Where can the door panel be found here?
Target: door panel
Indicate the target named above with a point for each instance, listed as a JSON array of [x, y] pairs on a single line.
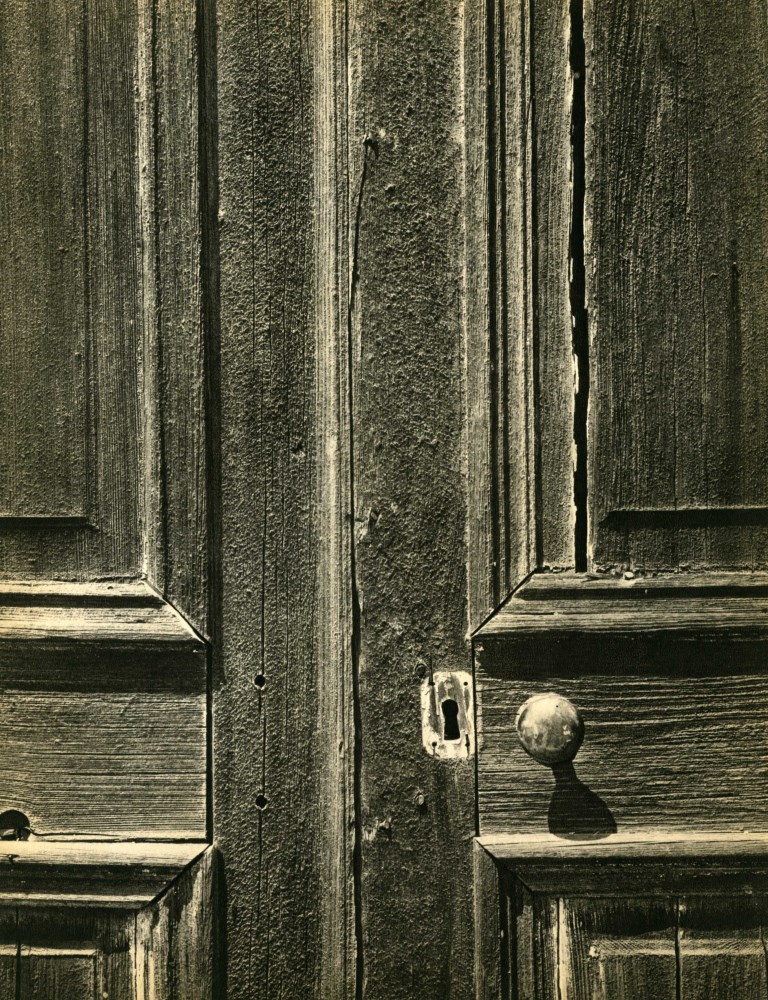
[[46, 974], [694, 948], [70, 293], [677, 281]]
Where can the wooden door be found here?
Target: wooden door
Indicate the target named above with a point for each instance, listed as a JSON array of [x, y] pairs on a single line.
[[634, 864], [104, 810], [329, 325]]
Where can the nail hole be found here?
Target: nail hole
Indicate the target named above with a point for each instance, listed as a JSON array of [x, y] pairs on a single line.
[[261, 801], [259, 680], [451, 729]]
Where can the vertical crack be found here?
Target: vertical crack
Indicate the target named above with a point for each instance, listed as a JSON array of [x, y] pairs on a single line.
[[577, 284], [370, 151]]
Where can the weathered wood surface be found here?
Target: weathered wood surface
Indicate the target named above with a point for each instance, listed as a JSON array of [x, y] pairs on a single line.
[[175, 197], [176, 954], [551, 207], [677, 282], [282, 702], [721, 947], [534, 945], [119, 874], [491, 930], [406, 343], [617, 948], [69, 298], [662, 749], [43, 304], [76, 618], [498, 311], [519, 367], [126, 762]]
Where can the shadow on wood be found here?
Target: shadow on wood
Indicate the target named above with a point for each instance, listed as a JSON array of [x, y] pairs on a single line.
[[575, 811]]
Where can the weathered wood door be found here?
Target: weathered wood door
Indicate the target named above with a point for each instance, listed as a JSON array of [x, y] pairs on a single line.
[[369, 369]]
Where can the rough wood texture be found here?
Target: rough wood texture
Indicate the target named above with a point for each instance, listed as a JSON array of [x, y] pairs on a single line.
[[617, 948], [175, 951], [173, 203], [721, 947], [282, 702], [43, 405], [535, 928], [662, 749], [128, 763], [76, 618], [490, 928], [550, 205], [406, 335], [693, 607], [95, 873], [80, 954], [68, 304], [498, 311], [677, 282]]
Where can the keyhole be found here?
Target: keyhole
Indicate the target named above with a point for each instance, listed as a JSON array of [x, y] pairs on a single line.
[[451, 729]]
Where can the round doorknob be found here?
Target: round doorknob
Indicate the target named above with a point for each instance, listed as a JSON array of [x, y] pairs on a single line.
[[550, 728]]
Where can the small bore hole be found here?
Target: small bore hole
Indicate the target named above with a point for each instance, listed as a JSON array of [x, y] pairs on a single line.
[[261, 801], [14, 825], [259, 680], [451, 729]]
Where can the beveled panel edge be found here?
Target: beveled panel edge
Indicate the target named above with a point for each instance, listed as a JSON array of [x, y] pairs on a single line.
[[114, 874], [104, 614]]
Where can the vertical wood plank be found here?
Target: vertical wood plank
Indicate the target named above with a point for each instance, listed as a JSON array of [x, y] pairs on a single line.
[[721, 948], [417, 812], [611, 948], [174, 948], [551, 196], [74, 194], [176, 449], [283, 745], [43, 406], [341, 961], [677, 282], [535, 946], [489, 926], [498, 310]]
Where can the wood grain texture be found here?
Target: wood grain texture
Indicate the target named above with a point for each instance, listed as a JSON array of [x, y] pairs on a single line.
[[76, 618], [73, 340], [173, 204], [64, 951], [121, 763], [406, 165], [490, 925], [174, 947], [551, 206], [100, 873], [675, 751], [498, 308], [56, 972], [676, 278], [535, 945], [698, 608], [617, 948], [721, 947], [282, 700], [341, 967], [43, 403]]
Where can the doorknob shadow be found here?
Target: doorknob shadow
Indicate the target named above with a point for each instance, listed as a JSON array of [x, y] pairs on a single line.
[[575, 811]]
